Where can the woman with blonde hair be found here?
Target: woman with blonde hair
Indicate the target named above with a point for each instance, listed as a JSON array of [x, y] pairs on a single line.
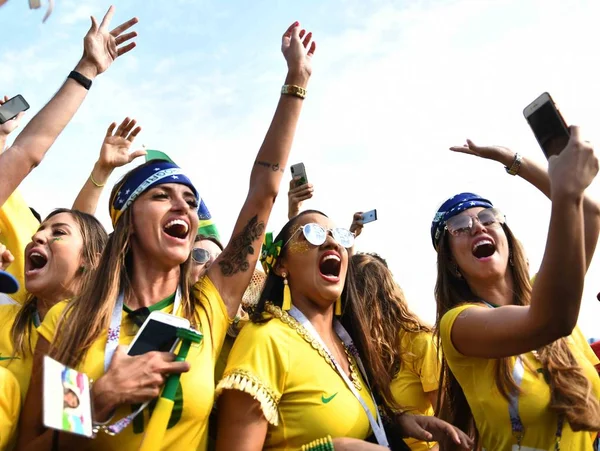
[[146, 267], [517, 372], [402, 358]]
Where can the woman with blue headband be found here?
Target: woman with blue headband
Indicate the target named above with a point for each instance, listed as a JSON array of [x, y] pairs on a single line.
[[145, 267], [517, 372]]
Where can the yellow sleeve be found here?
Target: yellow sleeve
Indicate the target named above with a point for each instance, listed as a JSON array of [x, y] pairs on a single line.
[[257, 365], [424, 359], [209, 296], [10, 405], [48, 327], [17, 226], [580, 341], [446, 324]]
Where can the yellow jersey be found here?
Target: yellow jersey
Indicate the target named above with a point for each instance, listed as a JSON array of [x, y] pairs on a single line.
[[418, 375], [302, 396], [188, 426], [17, 226], [10, 407], [20, 366], [490, 409]]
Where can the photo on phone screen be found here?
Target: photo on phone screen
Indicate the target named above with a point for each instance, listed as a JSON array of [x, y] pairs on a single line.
[[298, 170], [12, 107], [158, 333], [369, 216], [548, 126]]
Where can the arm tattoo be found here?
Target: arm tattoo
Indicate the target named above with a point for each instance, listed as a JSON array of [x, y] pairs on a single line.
[[235, 257], [274, 167]]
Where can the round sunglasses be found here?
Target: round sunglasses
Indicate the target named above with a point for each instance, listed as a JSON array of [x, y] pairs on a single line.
[[316, 235], [465, 224], [200, 255]]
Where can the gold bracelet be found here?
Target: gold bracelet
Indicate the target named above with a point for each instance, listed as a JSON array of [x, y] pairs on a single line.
[[515, 166], [293, 90], [99, 185]]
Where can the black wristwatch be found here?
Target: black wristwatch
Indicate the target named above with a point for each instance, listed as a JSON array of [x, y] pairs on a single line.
[[83, 81]]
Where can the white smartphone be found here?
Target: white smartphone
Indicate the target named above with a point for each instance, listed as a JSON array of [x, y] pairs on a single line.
[[369, 216], [547, 124], [298, 170], [158, 333]]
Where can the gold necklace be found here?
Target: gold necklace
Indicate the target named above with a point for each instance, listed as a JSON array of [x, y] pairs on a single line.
[[286, 318]]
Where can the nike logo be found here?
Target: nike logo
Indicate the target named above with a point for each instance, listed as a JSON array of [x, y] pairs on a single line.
[[326, 400]]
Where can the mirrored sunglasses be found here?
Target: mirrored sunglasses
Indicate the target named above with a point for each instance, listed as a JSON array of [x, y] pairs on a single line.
[[317, 235], [464, 224], [200, 255]]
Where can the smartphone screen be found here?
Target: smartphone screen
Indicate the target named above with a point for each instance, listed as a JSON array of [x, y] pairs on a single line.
[[369, 216], [12, 107], [549, 129], [156, 336]]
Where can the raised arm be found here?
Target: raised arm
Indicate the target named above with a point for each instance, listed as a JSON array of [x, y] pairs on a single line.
[[557, 292], [114, 153], [537, 175], [9, 126], [100, 48], [234, 267]]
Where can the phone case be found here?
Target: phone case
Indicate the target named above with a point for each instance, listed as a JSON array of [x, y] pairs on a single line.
[[369, 216], [298, 170]]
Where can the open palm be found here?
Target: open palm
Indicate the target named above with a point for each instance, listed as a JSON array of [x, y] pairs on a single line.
[[298, 49], [487, 152], [115, 148]]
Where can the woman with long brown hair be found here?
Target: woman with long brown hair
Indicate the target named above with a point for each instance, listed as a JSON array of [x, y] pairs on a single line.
[[517, 372], [294, 379], [402, 358], [146, 267]]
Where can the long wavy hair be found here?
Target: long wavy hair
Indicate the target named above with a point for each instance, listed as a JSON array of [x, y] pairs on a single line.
[[94, 239], [571, 391], [376, 313], [88, 316], [273, 288]]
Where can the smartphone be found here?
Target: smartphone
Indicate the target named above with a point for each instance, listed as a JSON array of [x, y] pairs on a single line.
[[12, 107], [298, 170], [158, 333], [369, 216], [547, 124]]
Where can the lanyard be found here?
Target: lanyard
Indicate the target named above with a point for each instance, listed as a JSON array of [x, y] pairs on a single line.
[[112, 341], [513, 404], [376, 425]]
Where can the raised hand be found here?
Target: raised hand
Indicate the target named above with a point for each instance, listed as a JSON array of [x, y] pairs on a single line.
[[496, 153], [6, 257], [574, 169], [357, 223], [297, 195], [428, 429], [298, 51], [115, 147], [101, 47], [10, 126]]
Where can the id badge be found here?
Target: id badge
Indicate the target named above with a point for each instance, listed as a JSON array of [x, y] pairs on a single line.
[[67, 405]]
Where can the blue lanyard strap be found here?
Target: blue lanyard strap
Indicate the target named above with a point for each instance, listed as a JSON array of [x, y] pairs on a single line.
[[376, 425]]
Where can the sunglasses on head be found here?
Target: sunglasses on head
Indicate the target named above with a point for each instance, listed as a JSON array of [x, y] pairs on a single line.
[[464, 224], [317, 235], [200, 255]]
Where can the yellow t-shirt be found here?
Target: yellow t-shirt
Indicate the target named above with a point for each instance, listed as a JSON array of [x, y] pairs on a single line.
[[10, 407], [418, 375], [20, 366], [490, 408], [17, 226], [302, 397], [189, 420]]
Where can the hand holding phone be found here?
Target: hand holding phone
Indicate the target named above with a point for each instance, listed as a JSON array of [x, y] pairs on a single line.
[[10, 108], [548, 126], [158, 333]]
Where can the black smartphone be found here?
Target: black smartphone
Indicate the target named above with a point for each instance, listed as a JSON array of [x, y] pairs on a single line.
[[547, 124], [158, 333], [12, 107]]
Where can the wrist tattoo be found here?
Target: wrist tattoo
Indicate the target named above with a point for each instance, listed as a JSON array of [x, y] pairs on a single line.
[[274, 167], [235, 257]]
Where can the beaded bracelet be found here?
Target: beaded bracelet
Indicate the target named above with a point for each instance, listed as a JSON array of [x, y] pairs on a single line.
[[321, 444]]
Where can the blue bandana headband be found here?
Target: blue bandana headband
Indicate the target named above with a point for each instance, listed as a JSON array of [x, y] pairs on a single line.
[[451, 208], [142, 179]]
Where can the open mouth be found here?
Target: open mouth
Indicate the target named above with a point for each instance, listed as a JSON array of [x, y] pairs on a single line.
[[483, 249], [37, 261], [330, 266], [177, 228]]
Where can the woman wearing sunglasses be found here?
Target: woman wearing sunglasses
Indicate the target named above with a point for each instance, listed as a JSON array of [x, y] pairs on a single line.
[[517, 372], [294, 379], [205, 252]]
